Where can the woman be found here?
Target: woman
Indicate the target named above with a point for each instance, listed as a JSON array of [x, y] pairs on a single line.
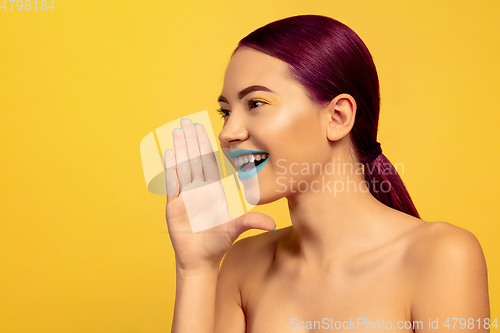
[[304, 93]]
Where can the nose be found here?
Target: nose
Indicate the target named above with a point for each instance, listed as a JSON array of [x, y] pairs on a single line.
[[233, 132]]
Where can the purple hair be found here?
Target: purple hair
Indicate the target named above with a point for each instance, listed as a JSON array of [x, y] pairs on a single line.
[[328, 58]]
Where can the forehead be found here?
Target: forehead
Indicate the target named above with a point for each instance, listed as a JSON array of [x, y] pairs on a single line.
[[250, 67]]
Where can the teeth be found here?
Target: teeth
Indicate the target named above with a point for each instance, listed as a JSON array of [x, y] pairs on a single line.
[[239, 161]]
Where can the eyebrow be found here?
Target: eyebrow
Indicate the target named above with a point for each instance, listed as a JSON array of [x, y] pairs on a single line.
[[245, 91]]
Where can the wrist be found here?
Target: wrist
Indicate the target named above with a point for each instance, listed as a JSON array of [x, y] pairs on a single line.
[[198, 271]]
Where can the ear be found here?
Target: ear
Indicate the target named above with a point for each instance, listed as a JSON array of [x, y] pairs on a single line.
[[339, 116]]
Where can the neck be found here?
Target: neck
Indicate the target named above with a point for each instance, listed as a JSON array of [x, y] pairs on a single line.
[[330, 225]]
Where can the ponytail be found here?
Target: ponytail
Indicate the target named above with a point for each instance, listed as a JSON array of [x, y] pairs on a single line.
[[386, 185]]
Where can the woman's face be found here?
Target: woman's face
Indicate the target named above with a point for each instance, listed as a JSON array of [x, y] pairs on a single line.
[[268, 111]]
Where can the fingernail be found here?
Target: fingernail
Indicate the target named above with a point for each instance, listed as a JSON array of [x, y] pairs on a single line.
[[195, 123], [177, 128], [275, 227], [183, 118]]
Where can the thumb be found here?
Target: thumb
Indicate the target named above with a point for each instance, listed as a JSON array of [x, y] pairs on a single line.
[[251, 220]]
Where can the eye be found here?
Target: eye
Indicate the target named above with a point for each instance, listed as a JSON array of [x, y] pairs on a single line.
[[223, 112], [254, 102]]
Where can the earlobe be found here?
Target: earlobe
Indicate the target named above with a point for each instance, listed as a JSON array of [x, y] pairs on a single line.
[[331, 132]]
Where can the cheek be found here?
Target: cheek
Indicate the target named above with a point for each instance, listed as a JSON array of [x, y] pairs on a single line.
[[296, 145], [298, 133]]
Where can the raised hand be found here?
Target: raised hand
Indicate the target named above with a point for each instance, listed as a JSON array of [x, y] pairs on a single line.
[[199, 225]]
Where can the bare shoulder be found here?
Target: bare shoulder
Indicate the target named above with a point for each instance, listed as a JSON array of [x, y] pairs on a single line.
[[245, 259], [254, 253], [448, 271], [436, 244], [243, 262]]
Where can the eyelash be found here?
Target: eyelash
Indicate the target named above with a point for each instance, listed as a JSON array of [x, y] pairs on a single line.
[[225, 112]]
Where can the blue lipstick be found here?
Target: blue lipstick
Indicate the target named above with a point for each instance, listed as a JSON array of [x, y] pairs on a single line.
[[247, 174]]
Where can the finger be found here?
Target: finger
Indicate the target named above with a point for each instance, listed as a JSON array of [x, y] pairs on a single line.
[[250, 220], [182, 163], [193, 149], [170, 175], [210, 168]]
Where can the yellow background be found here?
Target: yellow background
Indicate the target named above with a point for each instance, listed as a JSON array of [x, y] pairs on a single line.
[[83, 244]]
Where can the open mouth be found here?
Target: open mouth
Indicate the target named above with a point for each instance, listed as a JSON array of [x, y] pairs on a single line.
[[249, 161]]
